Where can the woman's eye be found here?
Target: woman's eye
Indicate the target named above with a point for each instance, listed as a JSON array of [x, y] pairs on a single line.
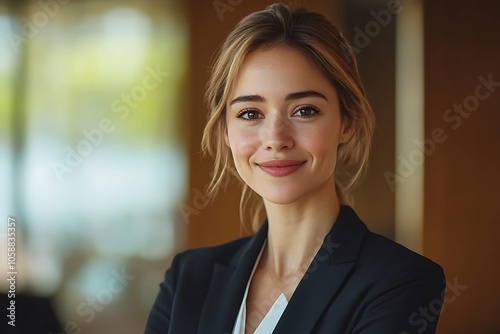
[[306, 112], [249, 115]]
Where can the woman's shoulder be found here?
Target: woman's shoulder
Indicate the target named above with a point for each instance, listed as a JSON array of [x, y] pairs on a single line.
[[208, 255], [379, 255], [385, 257]]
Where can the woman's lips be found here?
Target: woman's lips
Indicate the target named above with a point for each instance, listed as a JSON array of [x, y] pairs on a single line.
[[280, 167]]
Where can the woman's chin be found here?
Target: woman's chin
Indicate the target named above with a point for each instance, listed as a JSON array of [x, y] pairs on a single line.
[[281, 199]]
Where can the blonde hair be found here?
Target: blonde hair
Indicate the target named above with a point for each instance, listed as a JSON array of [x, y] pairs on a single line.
[[320, 41]]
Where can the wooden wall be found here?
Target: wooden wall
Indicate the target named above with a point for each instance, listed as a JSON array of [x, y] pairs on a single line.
[[374, 200], [462, 182]]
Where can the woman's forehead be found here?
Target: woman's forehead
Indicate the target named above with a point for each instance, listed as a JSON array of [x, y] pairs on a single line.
[[278, 70]]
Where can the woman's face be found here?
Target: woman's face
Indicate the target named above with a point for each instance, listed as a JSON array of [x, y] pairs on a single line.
[[284, 126]]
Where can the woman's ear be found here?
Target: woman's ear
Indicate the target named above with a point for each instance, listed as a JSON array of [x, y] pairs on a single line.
[[346, 131]]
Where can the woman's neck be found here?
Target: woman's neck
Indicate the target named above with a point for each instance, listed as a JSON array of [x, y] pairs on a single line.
[[296, 231]]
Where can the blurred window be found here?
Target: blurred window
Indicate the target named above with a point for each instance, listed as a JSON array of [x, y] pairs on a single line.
[[92, 152]]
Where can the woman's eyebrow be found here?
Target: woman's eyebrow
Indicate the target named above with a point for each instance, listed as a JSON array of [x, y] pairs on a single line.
[[301, 95], [289, 97], [248, 98]]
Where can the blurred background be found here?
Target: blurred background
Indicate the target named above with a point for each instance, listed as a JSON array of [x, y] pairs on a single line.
[[101, 117]]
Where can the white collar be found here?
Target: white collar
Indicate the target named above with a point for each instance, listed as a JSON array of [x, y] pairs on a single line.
[[272, 317]]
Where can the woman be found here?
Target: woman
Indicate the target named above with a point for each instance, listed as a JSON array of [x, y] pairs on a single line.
[[290, 119]]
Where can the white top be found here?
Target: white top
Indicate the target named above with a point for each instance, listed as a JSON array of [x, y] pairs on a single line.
[[273, 315]]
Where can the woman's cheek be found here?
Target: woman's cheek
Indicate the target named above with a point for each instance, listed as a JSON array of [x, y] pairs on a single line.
[[319, 139], [243, 145]]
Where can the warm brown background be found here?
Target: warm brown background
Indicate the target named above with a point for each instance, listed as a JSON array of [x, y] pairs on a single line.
[[461, 208], [462, 211]]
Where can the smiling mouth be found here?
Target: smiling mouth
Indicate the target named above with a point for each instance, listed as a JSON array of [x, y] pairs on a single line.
[[280, 167]]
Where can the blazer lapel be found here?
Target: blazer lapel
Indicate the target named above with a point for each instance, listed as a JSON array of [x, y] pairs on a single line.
[[227, 287], [325, 276]]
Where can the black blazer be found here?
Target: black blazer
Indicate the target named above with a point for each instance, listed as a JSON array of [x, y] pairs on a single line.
[[359, 282]]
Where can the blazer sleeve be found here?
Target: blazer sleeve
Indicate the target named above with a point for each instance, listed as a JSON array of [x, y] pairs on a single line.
[[159, 317], [403, 308]]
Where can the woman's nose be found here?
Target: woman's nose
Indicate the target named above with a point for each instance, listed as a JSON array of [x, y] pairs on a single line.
[[276, 134]]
